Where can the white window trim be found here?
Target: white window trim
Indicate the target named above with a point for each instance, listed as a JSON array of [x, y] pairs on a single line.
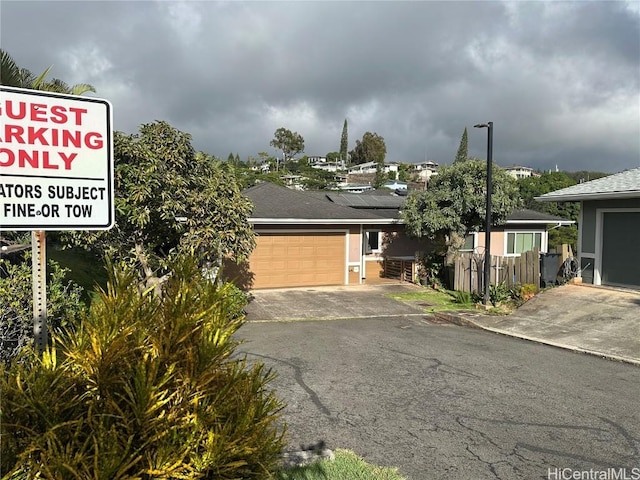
[[475, 243], [544, 241], [374, 251]]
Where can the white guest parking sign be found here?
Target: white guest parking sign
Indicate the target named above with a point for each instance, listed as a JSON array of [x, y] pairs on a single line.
[[56, 161]]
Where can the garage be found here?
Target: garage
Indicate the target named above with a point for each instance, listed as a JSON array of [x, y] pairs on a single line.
[[620, 252], [609, 227], [298, 259]]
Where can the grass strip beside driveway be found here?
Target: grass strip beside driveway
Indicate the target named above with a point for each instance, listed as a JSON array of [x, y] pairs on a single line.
[[347, 465]]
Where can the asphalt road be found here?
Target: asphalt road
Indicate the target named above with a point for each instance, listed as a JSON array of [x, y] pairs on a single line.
[[446, 402]]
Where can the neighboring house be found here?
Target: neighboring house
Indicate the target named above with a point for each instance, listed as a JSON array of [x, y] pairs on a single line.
[[316, 160], [354, 187], [371, 167], [340, 179], [609, 227], [321, 163], [395, 185], [293, 181], [423, 171], [428, 165], [523, 231], [518, 172], [264, 167], [321, 238]]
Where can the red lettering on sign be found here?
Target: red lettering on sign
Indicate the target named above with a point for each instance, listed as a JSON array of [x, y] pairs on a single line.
[[12, 114], [13, 132], [39, 112], [36, 159], [58, 114]]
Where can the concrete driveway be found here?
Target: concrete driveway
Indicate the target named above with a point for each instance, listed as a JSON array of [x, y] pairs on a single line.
[[317, 303], [595, 320]]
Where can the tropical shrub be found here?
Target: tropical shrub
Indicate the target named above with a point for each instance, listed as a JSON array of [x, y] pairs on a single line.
[[64, 304], [462, 297], [430, 269], [147, 386], [526, 291], [499, 293]]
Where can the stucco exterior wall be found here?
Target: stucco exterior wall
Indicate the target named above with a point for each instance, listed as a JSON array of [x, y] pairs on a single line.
[[355, 242]]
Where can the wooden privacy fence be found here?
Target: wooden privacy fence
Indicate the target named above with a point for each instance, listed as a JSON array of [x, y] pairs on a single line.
[[469, 271]]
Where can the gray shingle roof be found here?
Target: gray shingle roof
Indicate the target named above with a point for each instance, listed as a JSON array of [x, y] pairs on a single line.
[[356, 200], [279, 203], [526, 215], [275, 202], [620, 185]]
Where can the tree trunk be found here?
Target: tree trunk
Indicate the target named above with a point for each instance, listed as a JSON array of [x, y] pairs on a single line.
[[150, 279]]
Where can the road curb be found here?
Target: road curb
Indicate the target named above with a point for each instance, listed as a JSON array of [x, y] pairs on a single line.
[[465, 321], [321, 319]]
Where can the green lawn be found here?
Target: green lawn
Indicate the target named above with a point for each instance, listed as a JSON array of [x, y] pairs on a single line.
[[346, 466], [441, 300], [433, 300]]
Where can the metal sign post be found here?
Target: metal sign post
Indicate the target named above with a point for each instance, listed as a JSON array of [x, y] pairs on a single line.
[[39, 274]]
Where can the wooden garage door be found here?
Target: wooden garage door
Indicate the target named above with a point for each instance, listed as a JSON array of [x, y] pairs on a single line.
[[298, 259]]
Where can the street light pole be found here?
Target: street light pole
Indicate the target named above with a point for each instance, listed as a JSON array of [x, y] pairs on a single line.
[[487, 224]]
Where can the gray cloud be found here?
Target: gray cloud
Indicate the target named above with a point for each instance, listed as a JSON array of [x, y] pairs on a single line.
[[560, 80]]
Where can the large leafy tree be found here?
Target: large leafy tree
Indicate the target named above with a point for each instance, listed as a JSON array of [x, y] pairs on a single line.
[[291, 143], [170, 198], [455, 203], [12, 75], [344, 142], [463, 149], [370, 149]]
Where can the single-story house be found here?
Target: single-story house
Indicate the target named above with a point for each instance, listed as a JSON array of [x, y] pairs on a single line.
[[523, 231], [609, 227], [306, 238]]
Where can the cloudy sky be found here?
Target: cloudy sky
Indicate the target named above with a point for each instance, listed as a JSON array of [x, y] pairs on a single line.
[[560, 80]]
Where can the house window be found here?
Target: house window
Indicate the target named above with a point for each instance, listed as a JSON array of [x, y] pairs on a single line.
[[469, 243], [373, 242], [520, 242]]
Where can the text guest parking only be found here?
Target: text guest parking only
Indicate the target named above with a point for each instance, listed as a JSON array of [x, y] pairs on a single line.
[[56, 161]]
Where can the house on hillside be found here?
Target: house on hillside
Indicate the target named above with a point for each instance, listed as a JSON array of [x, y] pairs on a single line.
[[355, 187], [264, 167], [321, 163], [395, 185], [293, 181], [423, 171], [518, 172], [609, 227], [391, 168]]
